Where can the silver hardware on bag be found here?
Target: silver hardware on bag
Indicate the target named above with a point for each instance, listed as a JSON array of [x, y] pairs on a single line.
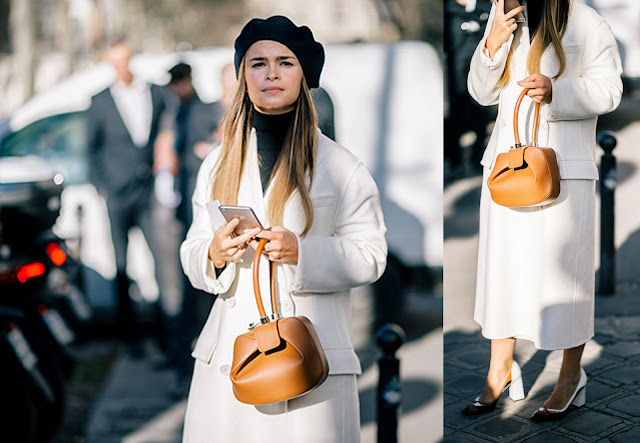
[[263, 320]]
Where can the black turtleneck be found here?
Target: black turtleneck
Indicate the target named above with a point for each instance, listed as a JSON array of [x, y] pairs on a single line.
[[271, 131], [534, 14]]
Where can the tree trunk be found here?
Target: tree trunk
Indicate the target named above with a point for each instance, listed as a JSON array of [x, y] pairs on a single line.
[[65, 35], [22, 31]]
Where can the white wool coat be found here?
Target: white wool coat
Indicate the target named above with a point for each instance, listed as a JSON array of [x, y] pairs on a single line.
[[345, 248], [536, 265]]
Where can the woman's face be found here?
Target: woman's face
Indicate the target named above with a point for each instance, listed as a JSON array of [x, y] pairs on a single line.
[[274, 77]]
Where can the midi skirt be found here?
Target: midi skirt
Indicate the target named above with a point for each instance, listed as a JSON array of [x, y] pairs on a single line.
[[328, 414], [536, 268]]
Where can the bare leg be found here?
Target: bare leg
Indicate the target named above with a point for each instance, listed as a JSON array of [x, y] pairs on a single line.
[[567, 380], [499, 368]]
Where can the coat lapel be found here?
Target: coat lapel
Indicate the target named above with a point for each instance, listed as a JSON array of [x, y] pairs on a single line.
[[250, 192]]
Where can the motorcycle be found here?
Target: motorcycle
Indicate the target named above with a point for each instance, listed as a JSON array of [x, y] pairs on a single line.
[[38, 302]]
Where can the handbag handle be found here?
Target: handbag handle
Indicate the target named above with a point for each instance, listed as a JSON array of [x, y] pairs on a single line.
[[256, 283], [535, 120]]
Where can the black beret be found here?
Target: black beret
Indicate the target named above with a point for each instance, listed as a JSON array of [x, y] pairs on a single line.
[[180, 72], [299, 39]]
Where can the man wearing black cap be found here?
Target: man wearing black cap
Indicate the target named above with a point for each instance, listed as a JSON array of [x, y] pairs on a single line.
[[192, 122], [195, 122]]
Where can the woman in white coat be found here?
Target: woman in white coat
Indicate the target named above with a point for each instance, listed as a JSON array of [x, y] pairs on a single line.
[[536, 265], [326, 236]]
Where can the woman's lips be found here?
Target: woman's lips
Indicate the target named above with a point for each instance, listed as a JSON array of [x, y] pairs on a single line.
[[272, 89]]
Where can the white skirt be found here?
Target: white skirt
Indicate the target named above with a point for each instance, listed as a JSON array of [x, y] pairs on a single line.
[[536, 268], [328, 414]]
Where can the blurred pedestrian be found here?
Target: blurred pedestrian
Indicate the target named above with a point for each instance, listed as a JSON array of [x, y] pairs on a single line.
[[463, 28], [536, 265], [189, 124], [229, 83], [324, 107], [195, 122], [326, 236], [122, 127]]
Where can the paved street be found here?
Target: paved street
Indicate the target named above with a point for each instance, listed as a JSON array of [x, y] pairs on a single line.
[[136, 406], [611, 359]]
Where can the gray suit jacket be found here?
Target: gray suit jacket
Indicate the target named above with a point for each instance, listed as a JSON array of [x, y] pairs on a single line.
[[120, 170]]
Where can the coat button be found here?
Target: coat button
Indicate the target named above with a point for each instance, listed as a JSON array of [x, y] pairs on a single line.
[[231, 302], [502, 123], [287, 306], [225, 369]]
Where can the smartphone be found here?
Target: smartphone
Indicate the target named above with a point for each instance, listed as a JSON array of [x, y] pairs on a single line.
[[512, 4], [248, 218]]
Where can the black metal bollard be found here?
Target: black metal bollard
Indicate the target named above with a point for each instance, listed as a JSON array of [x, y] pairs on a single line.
[[608, 182], [389, 338]]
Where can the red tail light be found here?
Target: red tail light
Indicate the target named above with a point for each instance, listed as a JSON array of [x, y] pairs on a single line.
[[31, 270], [56, 254]]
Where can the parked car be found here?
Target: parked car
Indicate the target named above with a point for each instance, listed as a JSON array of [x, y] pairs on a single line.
[[388, 111]]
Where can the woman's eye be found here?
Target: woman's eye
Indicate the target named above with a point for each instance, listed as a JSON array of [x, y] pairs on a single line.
[[257, 64], [286, 63]]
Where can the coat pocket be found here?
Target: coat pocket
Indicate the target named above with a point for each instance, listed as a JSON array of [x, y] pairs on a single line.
[[323, 215], [572, 49], [208, 339]]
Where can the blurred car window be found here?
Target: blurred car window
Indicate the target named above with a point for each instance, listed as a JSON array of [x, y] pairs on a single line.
[[60, 139]]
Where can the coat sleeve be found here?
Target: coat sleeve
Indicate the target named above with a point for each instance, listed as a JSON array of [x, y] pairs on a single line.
[[194, 251], [598, 90], [485, 72], [357, 252]]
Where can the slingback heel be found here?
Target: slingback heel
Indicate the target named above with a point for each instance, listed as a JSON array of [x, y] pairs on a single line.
[[516, 392], [516, 389], [578, 399], [581, 398]]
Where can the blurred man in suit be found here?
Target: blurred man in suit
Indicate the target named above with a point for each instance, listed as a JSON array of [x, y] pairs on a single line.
[[123, 123]]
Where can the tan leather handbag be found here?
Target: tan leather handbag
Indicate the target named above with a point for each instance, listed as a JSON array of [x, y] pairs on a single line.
[[525, 175], [280, 358]]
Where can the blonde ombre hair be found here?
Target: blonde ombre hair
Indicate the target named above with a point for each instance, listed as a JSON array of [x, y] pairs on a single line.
[[296, 160], [553, 23]]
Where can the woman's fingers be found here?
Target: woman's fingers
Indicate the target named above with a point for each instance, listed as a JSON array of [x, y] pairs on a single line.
[[282, 245], [503, 26], [244, 238], [515, 11], [539, 87], [226, 248]]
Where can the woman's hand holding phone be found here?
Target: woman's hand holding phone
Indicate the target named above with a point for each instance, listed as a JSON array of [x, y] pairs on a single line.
[[224, 248], [503, 25]]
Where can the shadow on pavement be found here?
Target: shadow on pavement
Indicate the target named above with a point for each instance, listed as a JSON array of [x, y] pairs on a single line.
[[468, 204], [415, 394]]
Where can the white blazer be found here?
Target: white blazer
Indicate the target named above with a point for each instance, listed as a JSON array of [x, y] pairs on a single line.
[[590, 86], [345, 248]]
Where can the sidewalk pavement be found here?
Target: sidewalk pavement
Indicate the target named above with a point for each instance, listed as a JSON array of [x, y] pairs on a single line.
[[136, 405], [611, 359]]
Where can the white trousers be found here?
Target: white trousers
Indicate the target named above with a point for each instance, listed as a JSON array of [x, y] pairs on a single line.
[[328, 414]]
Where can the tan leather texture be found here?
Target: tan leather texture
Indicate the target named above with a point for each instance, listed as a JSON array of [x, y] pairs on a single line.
[[277, 360], [525, 176]]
